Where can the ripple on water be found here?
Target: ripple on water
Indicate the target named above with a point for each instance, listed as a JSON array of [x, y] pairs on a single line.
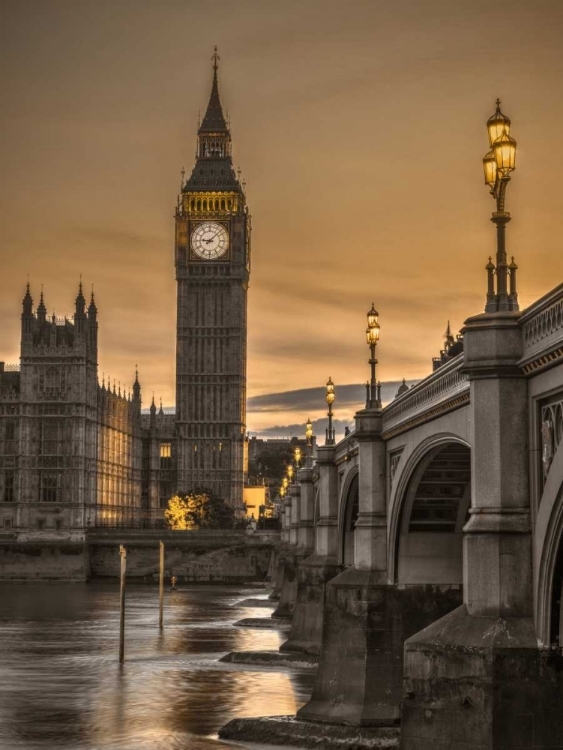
[[62, 687]]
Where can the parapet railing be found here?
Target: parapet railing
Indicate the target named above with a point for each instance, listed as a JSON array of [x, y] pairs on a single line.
[[195, 536], [542, 325], [443, 390]]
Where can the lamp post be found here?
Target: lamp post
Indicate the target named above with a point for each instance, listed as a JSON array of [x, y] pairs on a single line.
[[309, 439], [373, 389], [289, 472], [330, 396], [498, 163]]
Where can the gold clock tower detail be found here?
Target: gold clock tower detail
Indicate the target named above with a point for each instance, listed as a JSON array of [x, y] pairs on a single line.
[[212, 257]]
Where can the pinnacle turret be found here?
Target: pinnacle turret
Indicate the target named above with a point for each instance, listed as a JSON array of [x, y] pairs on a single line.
[[92, 309], [214, 119], [136, 386], [41, 309], [27, 301]]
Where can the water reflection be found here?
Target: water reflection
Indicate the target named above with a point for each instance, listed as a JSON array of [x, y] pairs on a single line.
[[62, 687]]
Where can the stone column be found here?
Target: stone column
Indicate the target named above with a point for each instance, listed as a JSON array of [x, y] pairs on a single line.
[[370, 537], [477, 675], [282, 549], [289, 556], [286, 521], [319, 567], [294, 493], [306, 530], [326, 530]]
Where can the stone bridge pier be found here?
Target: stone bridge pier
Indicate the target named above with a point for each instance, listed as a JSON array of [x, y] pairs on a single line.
[[292, 553], [366, 617], [283, 549], [319, 534]]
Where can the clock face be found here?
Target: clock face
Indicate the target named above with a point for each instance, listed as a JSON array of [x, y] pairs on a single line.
[[210, 240]]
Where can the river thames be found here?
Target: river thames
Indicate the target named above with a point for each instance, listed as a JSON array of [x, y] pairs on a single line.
[[62, 686]]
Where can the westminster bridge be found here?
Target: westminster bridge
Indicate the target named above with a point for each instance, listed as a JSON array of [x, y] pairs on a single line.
[[423, 553]]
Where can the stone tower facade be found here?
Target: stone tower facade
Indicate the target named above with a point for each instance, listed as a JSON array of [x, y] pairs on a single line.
[[56, 440], [70, 449], [212, 258]]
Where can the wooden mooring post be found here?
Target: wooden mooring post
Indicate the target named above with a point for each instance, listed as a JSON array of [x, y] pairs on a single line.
[[161, 587], [123, 554]]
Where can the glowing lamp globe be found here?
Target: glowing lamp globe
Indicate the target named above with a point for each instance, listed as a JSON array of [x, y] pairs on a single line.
[[490, 168], [309, 430], [497, 125], [373, 329], [505, 153], [330, 395]]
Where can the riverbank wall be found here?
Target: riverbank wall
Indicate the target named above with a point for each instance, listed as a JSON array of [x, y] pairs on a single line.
[[207, 556]]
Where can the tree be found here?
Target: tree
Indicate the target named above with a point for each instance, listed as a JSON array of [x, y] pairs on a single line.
[[199, 509], [176, 513], [271, 465]]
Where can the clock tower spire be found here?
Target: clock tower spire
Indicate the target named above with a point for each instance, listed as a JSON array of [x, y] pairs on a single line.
[[212, 259]]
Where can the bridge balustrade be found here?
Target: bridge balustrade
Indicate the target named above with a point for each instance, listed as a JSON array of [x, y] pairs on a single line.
[[542, 330], [445, 389]]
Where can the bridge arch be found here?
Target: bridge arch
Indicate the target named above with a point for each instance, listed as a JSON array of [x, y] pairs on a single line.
[[548, 550], [429, 508], [348, 515]]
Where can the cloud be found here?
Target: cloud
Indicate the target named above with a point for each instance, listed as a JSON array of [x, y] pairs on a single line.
[[297, 429], [314, 398]]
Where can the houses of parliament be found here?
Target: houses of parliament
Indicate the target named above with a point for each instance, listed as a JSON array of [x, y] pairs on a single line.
[[75, 452]]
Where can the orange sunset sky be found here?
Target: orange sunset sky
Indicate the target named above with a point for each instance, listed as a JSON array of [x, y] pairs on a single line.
[[359, 127]]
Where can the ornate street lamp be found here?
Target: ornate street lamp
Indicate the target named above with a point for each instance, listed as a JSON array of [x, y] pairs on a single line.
[[296, 460], [289, 472], [309, 439], [330, 396], [373, 389], [498, 163]]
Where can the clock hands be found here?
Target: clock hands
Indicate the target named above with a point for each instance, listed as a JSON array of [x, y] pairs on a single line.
[[212, 238]]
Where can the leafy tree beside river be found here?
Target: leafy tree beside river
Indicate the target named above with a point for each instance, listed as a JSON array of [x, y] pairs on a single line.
[[199, 509]]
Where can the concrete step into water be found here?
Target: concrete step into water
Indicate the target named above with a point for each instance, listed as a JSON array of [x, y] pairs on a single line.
[[264, 622], [255, 603], [286, 730], [272, 659]]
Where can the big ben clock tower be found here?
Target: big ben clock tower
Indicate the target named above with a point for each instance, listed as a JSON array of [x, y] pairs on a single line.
[[212, 257]]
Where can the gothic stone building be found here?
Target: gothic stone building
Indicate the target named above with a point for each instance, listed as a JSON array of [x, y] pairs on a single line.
[[75, 453]]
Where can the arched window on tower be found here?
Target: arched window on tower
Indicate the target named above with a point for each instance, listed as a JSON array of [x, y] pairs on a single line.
[[199, 205], [205, 205], [223, 205]]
